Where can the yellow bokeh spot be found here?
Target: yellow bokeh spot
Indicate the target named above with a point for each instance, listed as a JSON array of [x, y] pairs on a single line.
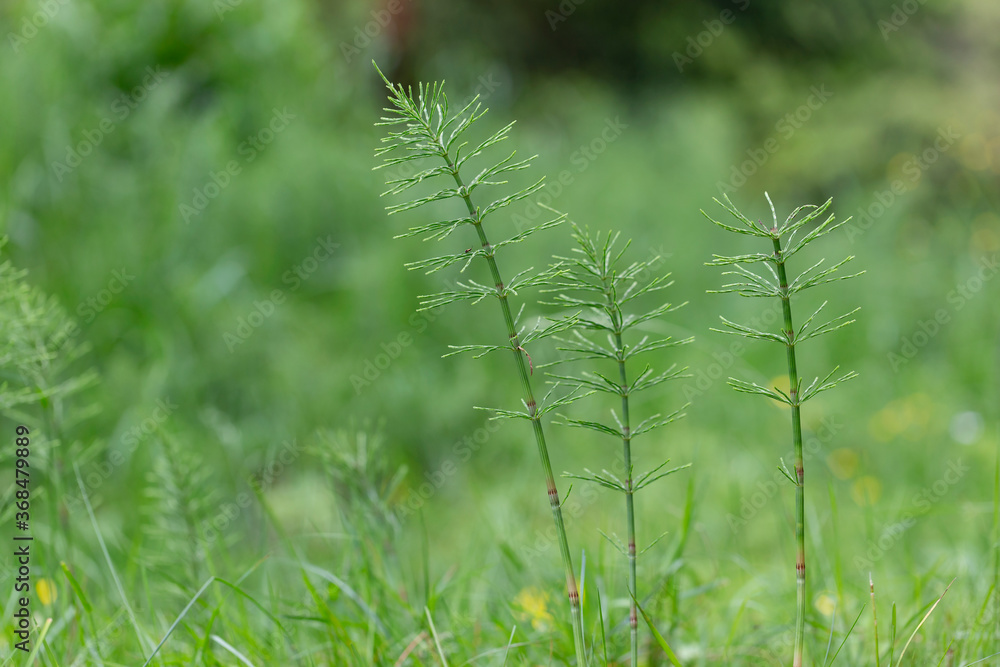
[[779, 382], [907, 416], [532, 605], [986, 233], [994, 149], [894, 170], [918, 411], [974, 152], [46, 591], [843, 463], [866, 490], [885, 424], [825, 604]]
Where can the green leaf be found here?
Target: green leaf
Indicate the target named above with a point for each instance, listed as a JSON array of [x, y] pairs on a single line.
[[804, 281], [437, 231], [593, 426], [817, 386], [656, 421], [836, 323], [482, 350], [749, 228], [754, 388], [849, 631], [648, 478], [749, 332], [608, 479], [656, 635]]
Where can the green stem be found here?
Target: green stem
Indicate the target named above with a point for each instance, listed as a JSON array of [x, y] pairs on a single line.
[[996, 547], [633, 618], [529, 400], [793, 393], [59, 511]]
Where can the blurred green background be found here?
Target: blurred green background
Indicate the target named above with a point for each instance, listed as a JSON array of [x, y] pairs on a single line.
[[192, 182]]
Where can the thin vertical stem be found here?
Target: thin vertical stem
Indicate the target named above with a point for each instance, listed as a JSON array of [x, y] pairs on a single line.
[[793, 394], [633, 618], [996, 546], [871, 586], [529, 400]]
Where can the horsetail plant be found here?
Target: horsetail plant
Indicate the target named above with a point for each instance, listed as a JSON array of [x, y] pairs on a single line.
[[786, 239], [428, 130], [602, 291]]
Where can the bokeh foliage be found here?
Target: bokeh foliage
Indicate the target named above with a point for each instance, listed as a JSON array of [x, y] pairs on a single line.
[[295, 251]]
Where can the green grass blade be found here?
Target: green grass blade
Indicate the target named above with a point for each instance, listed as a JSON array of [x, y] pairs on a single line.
[[197, 595], [75, 585], [871, 586], [39, 642], [892, 635], [829, 642], [349, 592], [600, 617], [231, 649], [177, 621], [921, 623], [437, 640], [847, 635], [946, 651], [507, 650], [658, 637], [203, 647], [996, 544], [107, 558], [970, 664]]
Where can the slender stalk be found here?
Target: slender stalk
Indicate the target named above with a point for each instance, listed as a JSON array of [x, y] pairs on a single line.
[[871, 586], [793, 394], [996, 547], [529, 400], [425, 123], [633, 618], [595, 271], [771, 283]]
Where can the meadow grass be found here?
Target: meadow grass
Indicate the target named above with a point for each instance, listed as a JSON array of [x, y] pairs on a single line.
[[787, 239], [326, 567], [597, 285]]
